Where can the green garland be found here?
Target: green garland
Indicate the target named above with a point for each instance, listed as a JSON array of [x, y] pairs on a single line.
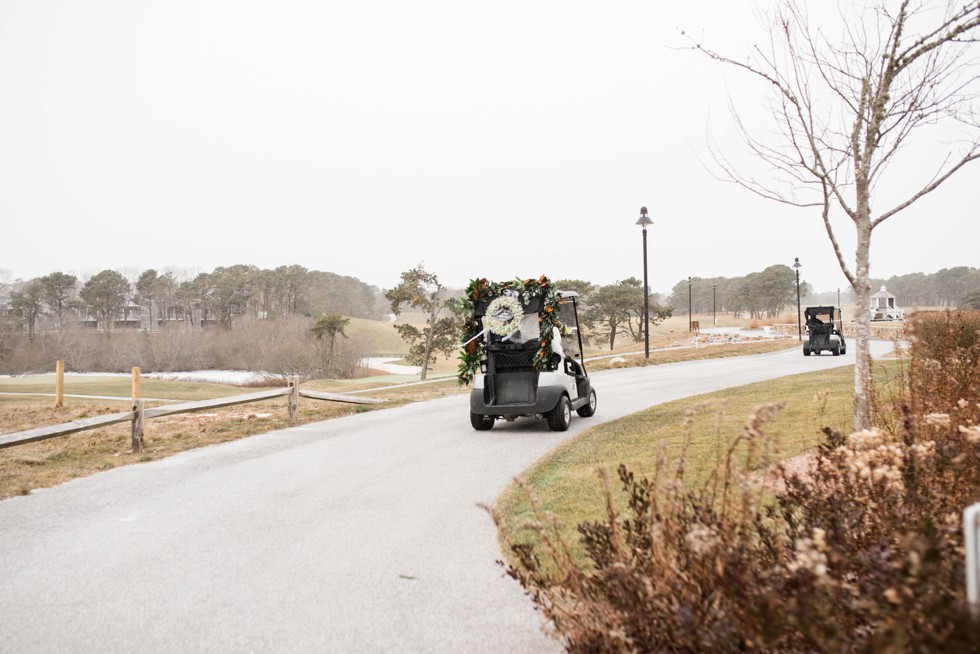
[[481, 289]]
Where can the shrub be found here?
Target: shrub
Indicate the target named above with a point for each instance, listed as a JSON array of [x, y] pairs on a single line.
[[281, 347], [944, 366], [862, 552]]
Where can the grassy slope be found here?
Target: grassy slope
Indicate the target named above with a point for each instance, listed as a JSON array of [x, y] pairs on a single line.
[[380, 336], [384, 341], [565, 481]]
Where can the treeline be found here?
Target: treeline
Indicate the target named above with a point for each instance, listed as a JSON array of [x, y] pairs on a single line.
[[618, 308], [153, 300], [950, 287], [244, 317], [237, 317], [763, 294], [768, 293]]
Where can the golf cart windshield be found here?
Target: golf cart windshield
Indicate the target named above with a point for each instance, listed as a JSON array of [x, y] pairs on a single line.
[[819, 315]]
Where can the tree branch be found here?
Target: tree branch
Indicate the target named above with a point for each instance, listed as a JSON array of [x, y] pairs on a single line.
[[972, 156]]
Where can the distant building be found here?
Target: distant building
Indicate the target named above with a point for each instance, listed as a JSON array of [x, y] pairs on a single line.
[[884, 307], [129, 317]]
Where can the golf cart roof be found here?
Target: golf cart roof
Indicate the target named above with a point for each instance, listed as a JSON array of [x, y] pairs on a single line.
[[819, 311]]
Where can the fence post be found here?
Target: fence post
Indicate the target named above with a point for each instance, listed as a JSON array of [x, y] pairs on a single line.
[[971, 539], [293, 397], [59, 384], [136, 384], [136, 433]]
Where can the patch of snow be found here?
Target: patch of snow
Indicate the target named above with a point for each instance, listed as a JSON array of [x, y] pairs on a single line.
[[238, 377], [234, 377], [69, 374], [211, 376], [384, 365]]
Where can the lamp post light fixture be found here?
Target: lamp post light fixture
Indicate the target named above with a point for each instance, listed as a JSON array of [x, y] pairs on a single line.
[[643, 222], [799, 318], [690, 316], [714, 305]]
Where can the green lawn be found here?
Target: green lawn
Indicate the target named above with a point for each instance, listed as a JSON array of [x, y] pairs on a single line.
[[381, 336]]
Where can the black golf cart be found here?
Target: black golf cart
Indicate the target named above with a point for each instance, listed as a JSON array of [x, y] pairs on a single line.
[[823, 333]]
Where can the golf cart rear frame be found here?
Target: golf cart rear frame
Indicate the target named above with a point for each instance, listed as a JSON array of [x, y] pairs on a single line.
[[823, 335], [525, 372]]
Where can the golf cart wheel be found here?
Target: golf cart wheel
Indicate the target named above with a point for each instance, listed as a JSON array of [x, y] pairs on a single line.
[[481, 423], [588, 410], [806, 351], [836, 350], [561, 416]]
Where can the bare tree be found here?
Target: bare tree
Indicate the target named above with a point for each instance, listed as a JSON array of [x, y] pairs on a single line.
[[847, 106]]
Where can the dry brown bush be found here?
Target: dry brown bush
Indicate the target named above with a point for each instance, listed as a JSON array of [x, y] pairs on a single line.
[[281, 347], [864, 554]]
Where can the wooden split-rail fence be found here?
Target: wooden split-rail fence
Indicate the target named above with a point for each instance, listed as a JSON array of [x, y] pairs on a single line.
[[139, 413]]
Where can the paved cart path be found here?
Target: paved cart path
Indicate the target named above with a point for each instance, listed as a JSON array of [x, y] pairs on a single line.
[[359, 534]]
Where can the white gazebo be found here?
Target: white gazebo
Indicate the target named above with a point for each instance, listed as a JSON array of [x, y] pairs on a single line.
[[883, 306]]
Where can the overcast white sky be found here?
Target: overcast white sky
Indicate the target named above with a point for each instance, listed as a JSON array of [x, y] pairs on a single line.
[[491, 139]]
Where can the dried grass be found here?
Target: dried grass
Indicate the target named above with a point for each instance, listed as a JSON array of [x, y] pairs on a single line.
[[862, 553]]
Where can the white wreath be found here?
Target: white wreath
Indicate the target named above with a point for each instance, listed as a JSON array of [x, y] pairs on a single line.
[[499, 327]]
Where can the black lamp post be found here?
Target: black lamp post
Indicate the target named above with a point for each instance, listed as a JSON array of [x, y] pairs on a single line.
[[643, 222], [799, 318], [714, 305], [690, 317]]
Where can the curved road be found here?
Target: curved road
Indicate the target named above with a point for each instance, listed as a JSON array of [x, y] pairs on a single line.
[[359, 534]]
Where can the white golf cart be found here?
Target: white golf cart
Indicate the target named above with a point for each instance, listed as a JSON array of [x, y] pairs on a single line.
[[528, 349]]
